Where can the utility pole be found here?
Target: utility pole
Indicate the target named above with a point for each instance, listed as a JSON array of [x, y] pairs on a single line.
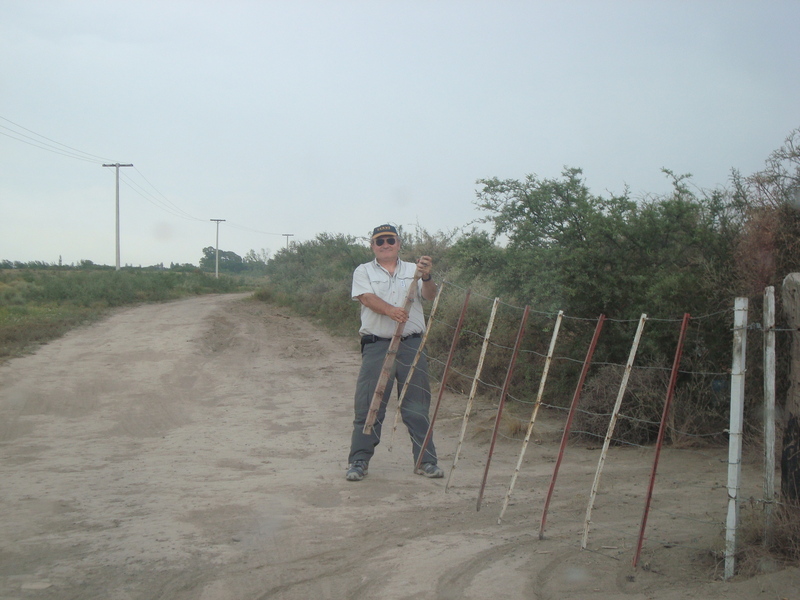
[[216, 271], [117, 166], [287, 236]]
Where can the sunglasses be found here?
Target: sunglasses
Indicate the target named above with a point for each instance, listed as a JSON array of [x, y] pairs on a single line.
[[388, 239]]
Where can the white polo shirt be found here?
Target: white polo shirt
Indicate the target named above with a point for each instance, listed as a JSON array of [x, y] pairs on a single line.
[[371, 278]]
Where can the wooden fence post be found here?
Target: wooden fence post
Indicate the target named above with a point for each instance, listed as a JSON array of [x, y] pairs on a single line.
[[769, 411], [735, 432], [790, 457]]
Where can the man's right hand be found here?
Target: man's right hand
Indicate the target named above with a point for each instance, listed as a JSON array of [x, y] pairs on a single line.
[[375, 304], [396, 313]]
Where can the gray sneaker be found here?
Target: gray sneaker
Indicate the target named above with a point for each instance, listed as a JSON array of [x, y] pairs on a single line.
[[357, 470], [431, 470]]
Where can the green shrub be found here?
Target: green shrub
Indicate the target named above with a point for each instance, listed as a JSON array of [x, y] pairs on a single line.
[[314, 278]]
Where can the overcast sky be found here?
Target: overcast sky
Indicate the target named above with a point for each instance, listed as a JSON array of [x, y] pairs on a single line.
[[306, 116]]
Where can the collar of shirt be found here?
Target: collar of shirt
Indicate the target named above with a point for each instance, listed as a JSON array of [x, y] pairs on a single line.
[[379, 265]]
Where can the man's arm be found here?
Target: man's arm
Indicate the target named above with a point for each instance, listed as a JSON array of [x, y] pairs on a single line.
[[429, 289]]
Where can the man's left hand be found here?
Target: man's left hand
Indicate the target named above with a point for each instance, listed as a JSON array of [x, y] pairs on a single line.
[[424, 266]]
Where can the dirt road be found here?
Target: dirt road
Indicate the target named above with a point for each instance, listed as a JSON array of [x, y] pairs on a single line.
[[197, 449]]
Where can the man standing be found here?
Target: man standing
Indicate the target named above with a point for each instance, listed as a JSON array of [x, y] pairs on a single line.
[[381, 286]]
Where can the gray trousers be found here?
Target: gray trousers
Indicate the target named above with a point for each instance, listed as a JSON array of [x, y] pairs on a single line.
[[416, 403]]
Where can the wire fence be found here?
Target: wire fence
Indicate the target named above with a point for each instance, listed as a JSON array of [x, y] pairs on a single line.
[[616, 407]]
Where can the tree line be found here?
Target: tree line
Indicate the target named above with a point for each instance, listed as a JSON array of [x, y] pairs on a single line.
[[252, 263], [553, 244]]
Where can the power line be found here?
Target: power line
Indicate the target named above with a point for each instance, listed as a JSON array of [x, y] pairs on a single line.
[[157, 199], [164, 205], [243, 228], [42, 146], [63, 150], [166, 200], [56, 147]]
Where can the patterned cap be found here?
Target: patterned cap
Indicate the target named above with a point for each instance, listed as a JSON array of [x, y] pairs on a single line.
[[384, 230]]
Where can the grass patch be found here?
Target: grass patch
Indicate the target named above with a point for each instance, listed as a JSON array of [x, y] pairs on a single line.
[[768, 548], [39, 305], [24, 328]]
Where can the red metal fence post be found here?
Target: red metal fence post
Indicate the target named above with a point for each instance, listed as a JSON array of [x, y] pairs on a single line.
[[443, 383], [661, 430], [579, 388], [503, 395]]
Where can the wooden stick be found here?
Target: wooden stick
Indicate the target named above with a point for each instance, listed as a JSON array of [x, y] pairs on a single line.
[[388, 362], [536, 406], [414, 363], [443, 383], [509, 374], [676, 363], [612, 423], [573, 407], [473, 390]]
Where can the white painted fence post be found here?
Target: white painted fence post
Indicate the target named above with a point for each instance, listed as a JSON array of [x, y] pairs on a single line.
[[536, 405], [735, 431], [610, 432], [473, 390], [769, 411]]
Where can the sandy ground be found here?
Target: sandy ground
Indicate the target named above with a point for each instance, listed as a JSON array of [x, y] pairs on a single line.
[[197, 449]]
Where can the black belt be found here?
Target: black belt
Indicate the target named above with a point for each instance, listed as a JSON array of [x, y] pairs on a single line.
[[371, 339]]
